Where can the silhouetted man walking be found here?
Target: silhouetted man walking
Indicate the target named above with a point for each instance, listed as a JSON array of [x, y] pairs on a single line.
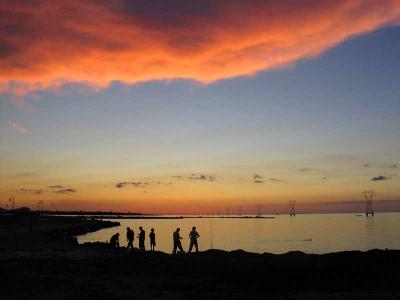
[[177, 241], [193, 235], [142, 237], [130, 236]]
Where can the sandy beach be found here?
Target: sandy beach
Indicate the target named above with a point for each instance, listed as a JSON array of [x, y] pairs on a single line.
[[47, 263]]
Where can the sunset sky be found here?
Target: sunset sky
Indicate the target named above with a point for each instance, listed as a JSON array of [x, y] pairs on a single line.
[[198, 106]]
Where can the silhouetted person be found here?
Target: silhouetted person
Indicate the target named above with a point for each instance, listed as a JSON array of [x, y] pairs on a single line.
[[114, 241], [152, 237], [142, 237], [193, 235], [130, 236], [177, 241]]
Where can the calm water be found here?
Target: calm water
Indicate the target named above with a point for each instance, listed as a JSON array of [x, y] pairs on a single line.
[[309, 233]]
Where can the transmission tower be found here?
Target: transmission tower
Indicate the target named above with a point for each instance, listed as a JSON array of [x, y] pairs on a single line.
[[369, 195], [259, 210], [292, 208]]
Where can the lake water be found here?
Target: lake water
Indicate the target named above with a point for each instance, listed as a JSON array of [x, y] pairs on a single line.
[[308, 233]]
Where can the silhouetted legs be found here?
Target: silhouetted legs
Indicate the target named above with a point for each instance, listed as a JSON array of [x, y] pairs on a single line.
[[114, 244], [193, 243], [141, 246], [130, 244], [177, 245]]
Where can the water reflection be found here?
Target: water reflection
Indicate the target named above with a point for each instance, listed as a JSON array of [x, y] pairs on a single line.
[[308, 233]]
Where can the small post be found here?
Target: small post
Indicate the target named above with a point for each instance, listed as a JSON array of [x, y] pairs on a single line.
[[211, 231]]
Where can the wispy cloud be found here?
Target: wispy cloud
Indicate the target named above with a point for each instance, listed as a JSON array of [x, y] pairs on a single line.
[[17, 127], [57, 186], [304, 169], [132, 183], [203, 177], [379, 178], [25, 174], [194, 176], [32, 191], [162, 183], [275, 179], [257, 178], [140, 184], [65, 191], [61, 189]]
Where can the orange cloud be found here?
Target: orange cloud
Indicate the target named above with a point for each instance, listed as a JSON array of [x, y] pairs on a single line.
[[44, 44], [18, 127]]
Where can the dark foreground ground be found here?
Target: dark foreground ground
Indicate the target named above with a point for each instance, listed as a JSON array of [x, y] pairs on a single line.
[[94, 271]]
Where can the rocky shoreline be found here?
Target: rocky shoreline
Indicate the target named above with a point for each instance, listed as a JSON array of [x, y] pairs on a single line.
[[30, 233]]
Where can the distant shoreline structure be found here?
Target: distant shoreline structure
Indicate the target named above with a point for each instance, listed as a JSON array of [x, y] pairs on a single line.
[[138, 215]]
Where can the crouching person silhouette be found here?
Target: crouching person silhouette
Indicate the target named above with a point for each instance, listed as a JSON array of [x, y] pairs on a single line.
[[114, 241]]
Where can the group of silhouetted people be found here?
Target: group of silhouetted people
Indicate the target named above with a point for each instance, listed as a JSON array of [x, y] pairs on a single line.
[[130, 237]]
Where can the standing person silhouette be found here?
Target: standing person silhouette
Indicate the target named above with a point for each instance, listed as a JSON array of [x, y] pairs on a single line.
[[194, 235], [142, 237], [177, 241], [152, 237], [130, 236]]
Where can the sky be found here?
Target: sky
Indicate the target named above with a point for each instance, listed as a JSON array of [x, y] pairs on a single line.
[[200, 106]]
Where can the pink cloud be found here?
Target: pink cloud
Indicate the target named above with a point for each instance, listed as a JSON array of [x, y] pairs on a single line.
[[18, 127], [44, 44]]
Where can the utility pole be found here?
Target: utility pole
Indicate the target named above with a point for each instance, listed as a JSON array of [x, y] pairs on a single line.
[[292, 208], [369, 195]]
